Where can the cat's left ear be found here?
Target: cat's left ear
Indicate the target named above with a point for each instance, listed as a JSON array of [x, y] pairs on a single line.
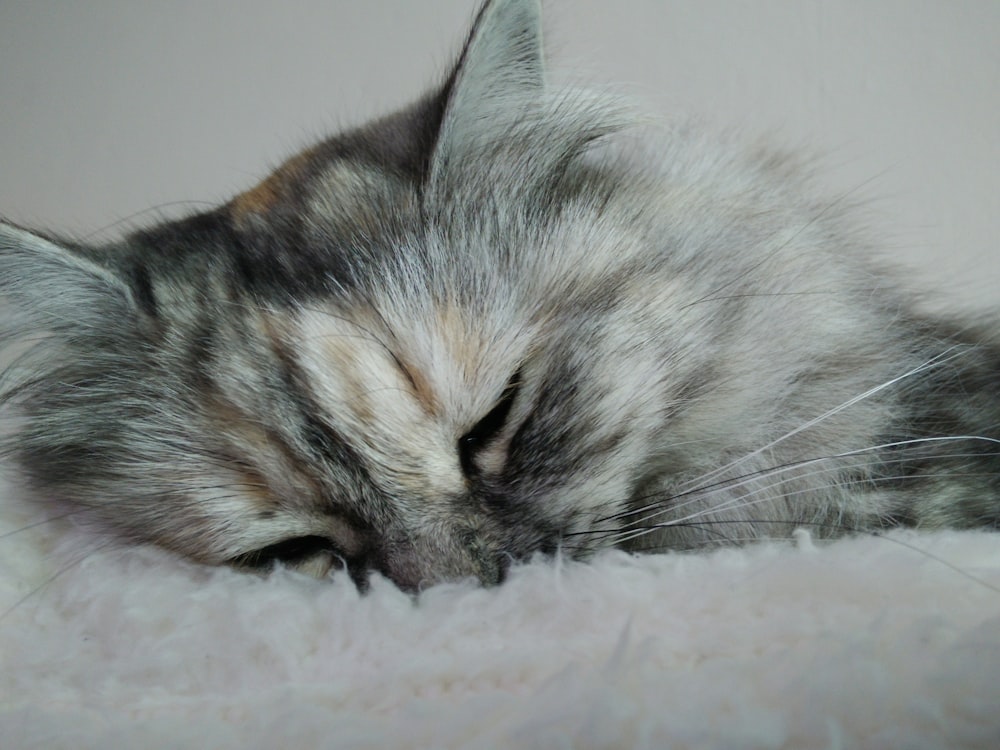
[[501, 65], [58, 288]]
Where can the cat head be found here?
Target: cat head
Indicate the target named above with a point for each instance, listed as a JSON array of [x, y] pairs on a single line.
[[382, 356]]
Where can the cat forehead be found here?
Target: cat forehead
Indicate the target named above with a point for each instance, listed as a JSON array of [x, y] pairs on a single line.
[[439, 347], [328, 187]]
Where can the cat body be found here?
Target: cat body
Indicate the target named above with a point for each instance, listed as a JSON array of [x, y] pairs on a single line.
[[492, 324]]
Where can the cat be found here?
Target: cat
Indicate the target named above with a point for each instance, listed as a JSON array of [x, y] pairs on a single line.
[[491, 325]]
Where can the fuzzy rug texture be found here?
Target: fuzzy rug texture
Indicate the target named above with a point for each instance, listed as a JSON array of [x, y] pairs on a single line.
[[868, 642]]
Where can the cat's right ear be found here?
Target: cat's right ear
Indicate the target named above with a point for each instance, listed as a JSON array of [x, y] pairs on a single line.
[[56, 288], [501, 65]]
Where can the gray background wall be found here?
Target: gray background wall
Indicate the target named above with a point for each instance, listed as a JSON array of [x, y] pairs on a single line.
[[110, 107]]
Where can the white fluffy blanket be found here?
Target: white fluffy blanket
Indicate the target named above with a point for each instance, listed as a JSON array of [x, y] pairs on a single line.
[[863, 643]]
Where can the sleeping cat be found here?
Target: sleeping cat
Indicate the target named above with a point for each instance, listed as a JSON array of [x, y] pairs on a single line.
[[486, 326]]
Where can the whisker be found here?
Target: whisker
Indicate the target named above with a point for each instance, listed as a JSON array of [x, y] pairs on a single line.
[[840, 527], [813, 221], [752, 295], [665, 505], [938, 559], [735, 502], [132, 217], [702, 524], [61, 571], [744, 479], [42, 522], [935, 361], [633, 533]]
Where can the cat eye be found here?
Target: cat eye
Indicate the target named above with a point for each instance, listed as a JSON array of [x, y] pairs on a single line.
[[487, 428], [290, 552]]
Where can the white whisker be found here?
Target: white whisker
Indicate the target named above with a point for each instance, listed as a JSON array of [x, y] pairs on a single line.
[[745, 479], [662, 508], [936, 361]]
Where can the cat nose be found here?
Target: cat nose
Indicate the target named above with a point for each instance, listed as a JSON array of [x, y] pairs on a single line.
[[404, 572], [413, 567], [406, 566]]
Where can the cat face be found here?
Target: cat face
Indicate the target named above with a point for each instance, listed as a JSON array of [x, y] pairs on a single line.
[[381, 357], [484, 327]]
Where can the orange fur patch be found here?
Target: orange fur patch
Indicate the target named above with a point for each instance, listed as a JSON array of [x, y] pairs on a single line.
[[268, 192]]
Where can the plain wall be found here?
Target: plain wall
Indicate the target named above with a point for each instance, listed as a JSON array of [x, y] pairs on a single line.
[[111, 107]]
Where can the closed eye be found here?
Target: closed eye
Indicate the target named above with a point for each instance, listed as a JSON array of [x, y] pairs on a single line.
[[487, 428], [292, 552]]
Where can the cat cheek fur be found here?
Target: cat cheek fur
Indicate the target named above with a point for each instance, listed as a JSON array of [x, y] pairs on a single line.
[[490, 325]]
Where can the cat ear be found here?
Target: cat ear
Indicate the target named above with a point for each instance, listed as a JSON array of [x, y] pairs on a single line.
[[56, 288], [501, 64]]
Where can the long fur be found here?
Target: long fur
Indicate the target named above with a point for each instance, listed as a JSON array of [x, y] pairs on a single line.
[[491, 325]]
